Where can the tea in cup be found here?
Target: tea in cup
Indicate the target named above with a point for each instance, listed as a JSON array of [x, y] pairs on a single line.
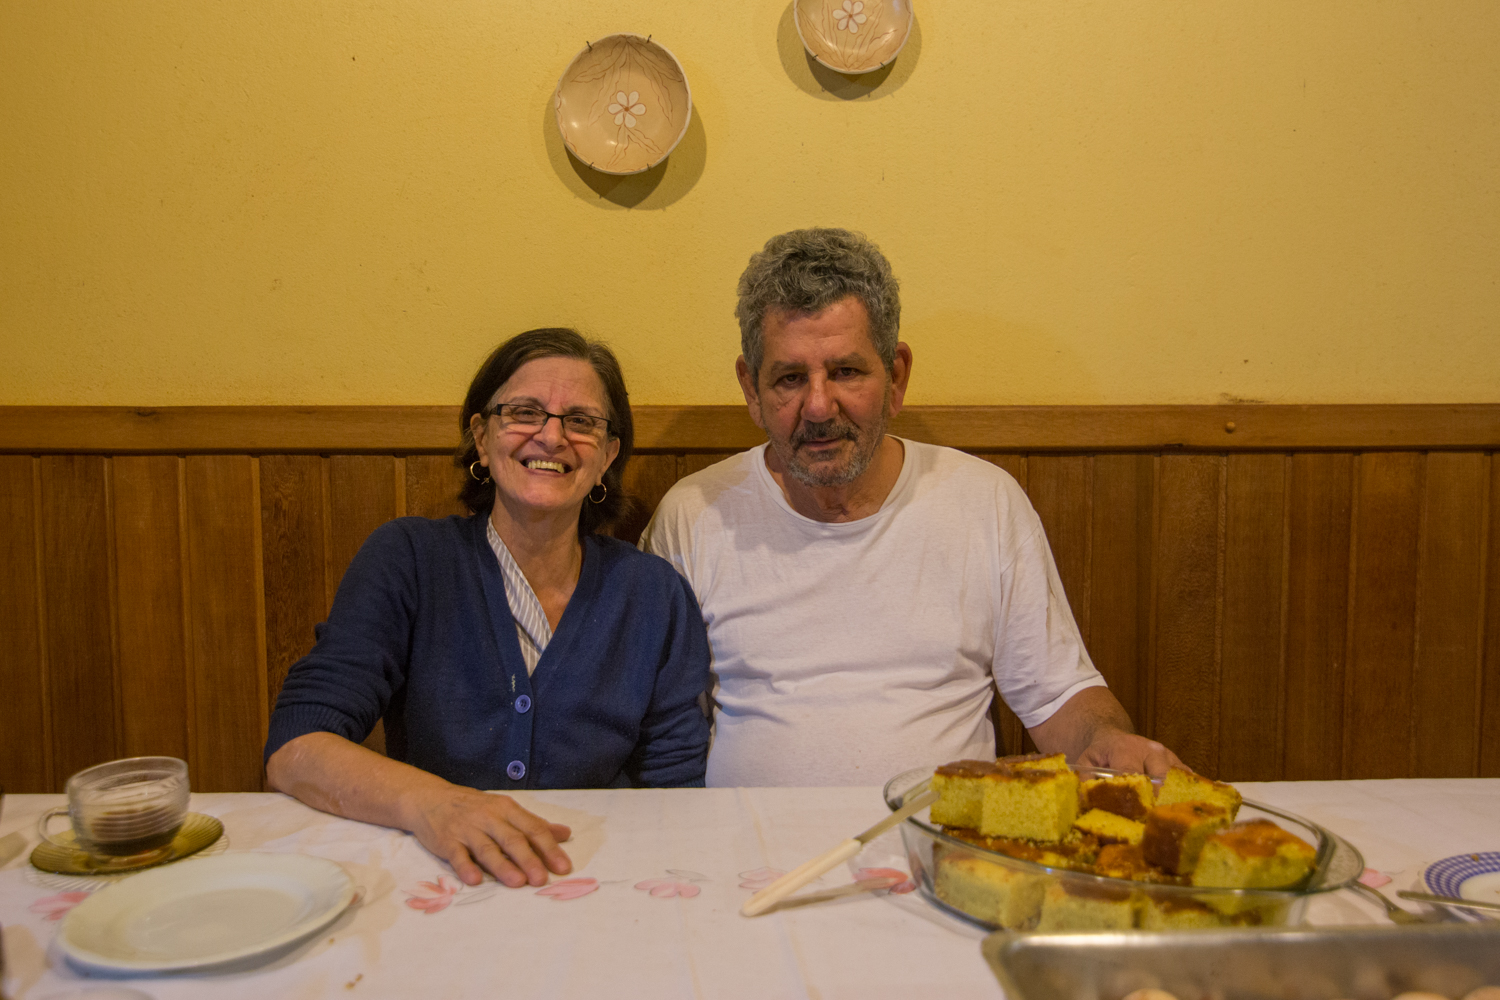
[[123, 808]]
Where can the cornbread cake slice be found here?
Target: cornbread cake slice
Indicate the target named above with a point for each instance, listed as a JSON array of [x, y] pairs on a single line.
[[1128, 795], [1177, 914], [1109, 828], [1175, 834], [988, 891], [1037, 761], [1255, 854], [961, 785], [1068, 906], [1126, 861], [1182, 785], [1029, 803], [1077, 853]]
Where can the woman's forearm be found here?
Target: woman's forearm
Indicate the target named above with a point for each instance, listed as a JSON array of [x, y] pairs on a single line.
[[332, 774]]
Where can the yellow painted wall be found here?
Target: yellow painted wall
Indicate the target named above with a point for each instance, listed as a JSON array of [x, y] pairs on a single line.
[[321, 201]]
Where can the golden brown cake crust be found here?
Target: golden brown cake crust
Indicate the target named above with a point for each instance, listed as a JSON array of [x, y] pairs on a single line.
[[1114, 797], [1170, 829], [971, 769], [1259, 838]]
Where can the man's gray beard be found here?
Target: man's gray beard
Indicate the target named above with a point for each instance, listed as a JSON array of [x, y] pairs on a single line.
[[864, 453]]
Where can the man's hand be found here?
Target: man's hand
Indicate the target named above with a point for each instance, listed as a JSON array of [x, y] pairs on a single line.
[[1122, 751], [1093, 729], [472, 831]]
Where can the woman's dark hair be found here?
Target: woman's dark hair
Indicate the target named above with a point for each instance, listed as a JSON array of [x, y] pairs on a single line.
[[507, 359]]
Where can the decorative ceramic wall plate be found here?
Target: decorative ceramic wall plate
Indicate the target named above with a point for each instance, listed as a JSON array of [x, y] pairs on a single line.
[[623, 104], [853, 36]]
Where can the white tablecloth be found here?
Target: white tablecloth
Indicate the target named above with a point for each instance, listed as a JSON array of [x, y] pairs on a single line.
[[661, 875]]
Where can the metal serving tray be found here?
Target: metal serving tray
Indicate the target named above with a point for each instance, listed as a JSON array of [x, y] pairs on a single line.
[[1360, 963]]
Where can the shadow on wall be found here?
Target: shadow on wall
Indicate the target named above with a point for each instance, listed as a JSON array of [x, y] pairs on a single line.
[[812, 77], [664, 184]]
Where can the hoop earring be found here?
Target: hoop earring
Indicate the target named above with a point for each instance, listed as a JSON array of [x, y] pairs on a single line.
[[475, 476], [601, 498]]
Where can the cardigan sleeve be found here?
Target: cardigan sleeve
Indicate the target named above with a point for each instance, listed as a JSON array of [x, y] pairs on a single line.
[[673, 747], [346, 683]]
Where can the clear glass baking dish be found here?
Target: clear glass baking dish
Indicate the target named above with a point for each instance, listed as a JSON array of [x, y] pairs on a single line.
[[999, 892]]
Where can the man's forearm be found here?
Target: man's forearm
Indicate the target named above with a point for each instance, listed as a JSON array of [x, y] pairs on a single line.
[[1083, 718]]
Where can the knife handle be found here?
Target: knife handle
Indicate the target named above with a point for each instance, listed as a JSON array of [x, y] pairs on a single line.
[[800, 876]]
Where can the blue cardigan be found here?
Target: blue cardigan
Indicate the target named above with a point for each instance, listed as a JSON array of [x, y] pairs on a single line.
[[421, 634]]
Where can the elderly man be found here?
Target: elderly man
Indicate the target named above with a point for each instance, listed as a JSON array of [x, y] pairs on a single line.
[[861, 591]]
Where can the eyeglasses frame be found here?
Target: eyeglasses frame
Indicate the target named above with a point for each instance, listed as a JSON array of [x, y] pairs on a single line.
[[609, 430]]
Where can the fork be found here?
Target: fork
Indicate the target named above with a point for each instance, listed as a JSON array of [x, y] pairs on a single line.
[[1396, 913]]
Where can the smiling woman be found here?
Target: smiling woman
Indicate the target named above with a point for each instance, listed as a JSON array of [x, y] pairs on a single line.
[[515, 648]]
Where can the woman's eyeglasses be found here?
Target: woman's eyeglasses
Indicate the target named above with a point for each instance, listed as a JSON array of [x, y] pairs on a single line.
[[519, 416]]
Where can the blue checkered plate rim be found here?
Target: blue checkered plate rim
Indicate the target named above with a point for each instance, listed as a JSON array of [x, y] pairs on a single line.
[[1447, 877]]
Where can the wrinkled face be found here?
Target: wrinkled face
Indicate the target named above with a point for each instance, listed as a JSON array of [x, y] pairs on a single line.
[[547, 467], [823, 397]]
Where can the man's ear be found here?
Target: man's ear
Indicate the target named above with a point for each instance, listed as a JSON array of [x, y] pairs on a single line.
[[750, 389], [900, 375]]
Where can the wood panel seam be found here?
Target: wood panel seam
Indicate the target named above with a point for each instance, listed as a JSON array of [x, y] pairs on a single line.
[[1356, 491], [111, 534], [44, 657]]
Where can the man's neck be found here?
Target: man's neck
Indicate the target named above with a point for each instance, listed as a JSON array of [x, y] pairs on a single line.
[[850, 502]]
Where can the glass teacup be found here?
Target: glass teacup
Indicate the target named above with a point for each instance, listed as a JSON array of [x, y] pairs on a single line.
[[123, 808]]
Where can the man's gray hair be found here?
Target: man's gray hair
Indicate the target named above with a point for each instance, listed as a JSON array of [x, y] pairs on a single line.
[[807, 270]]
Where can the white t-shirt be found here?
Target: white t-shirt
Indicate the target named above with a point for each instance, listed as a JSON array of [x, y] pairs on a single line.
[[847, 653]]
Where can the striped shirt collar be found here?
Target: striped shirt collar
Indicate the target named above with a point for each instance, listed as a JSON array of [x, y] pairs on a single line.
[[532, 627]]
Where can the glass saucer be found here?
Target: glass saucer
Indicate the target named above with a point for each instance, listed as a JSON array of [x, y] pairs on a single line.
[[198, 831]]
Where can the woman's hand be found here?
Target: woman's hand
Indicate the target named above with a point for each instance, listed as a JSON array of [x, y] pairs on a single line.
[[467, 828], [472, 830]]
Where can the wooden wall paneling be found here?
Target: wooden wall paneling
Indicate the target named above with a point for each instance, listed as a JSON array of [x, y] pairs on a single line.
[[361, 497], [432, 484], [1320, 501], [1061, 490], [1185, 672], [148, 585], [26, 764], [696, 461], [1383, 609], [1011, 463], [227, 620], [293, 564], [1450, 606], [647, 479], [78, 608], [1120, 576], [1489, 741], [1251, 661]]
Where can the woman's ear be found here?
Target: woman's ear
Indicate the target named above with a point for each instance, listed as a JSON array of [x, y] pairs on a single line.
[[611, 452], [478, 428]]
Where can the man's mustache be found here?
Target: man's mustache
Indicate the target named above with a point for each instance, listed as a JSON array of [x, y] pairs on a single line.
[[825, 430]]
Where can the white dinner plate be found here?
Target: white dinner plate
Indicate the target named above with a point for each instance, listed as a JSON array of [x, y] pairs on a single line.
[[207, 912], [1467, 876]]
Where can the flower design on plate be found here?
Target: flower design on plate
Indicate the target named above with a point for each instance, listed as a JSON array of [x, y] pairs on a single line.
[[850, 16], [569, 888], [443, 891], [627, 107], [56, 907], [905, 885], [681, 884], [759, 878]]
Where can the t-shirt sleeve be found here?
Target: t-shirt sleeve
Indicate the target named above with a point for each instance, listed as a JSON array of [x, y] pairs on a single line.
[[673, 747], [1040, 660], [345, 684]]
